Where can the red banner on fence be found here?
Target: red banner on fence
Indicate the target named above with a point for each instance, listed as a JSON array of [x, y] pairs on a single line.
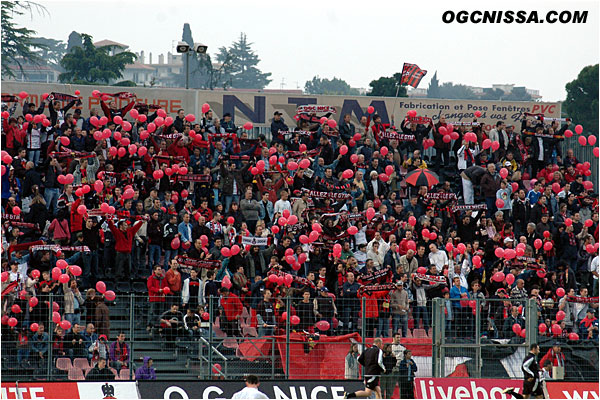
[[573, 390]]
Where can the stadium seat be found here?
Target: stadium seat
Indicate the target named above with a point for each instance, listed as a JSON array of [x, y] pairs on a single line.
[[139, 287], [419, 333], [82, 363], [64, 364], [124, 375], [230, 343], [76, 374], [123, 287]]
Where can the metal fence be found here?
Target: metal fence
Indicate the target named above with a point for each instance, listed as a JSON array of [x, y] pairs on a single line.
[[213, 342]]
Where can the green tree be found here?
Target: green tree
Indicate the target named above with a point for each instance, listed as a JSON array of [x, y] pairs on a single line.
[[242, 72], [492, 94], [433, 92], [18, 46], [388, 87], [90, 64], [53, 50], [518, 93], [582, 98], [450, 91], [333, 86]]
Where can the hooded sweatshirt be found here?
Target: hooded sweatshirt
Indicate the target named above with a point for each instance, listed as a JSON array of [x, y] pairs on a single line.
[[145, 372]]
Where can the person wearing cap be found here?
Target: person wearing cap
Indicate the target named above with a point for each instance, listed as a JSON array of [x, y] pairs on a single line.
[[509, 162], [99, 349], [555, 355], [588, 327], [277, 124], [399, 305]]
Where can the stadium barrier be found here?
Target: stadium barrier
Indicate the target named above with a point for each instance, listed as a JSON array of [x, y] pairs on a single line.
[[425, 388], [479, 344]]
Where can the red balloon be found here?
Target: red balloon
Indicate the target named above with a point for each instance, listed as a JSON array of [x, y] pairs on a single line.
[[205, 316], [15, 308], [542, 328], [412, 220], [498, 276], [573, 336], [537, 243], [548, 246], [248, 126], [384, 150], [294, 320], [560, 315], [370, 109], [33, 302], [578, 129], [582, 140], [556, 330], [343, 149], [225, 252], [55, 317], [101, 287], [499, 203], [499, 252], [110, 295], [166, 290], [477, 261], [63, 278], [422, 270], [34, 327], [66, 325], [75, 270], [411, 245], [510, 279], [12, 322], [230, 220], [560, 292], [516, 328], [16, 210]]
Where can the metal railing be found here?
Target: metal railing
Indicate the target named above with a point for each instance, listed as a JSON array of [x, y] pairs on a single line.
[[214, 342]]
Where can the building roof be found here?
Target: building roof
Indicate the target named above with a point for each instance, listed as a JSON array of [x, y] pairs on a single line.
[[137, 65], [107, 42]]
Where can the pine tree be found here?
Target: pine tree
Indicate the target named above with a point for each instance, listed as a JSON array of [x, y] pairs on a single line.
[[18, 46], [243, 73], [433, 92]]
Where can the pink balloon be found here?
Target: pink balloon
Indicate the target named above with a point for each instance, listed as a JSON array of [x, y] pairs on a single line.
[[370, 109], [63, 278], [101, 287], [578, 129], [510, 279], [384, 150], [205, 108], [225, 252], [66, 325], [499, 252], [110, 295], [343, 149]]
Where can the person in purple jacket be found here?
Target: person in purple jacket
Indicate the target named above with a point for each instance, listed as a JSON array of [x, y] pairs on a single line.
[[146, 372]]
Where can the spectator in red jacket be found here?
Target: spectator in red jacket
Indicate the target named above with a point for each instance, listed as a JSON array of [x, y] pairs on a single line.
[[555, 355], [232, 310], [156, 295], [76, 218], [124, 238], [178, 149]]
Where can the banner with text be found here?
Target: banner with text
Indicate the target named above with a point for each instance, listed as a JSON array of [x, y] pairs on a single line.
[[258, 108]]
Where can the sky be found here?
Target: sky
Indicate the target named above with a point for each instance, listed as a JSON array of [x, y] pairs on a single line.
[[355, 41]]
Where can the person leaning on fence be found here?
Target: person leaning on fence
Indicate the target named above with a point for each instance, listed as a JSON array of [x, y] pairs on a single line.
[[146, 371], [351, 369]]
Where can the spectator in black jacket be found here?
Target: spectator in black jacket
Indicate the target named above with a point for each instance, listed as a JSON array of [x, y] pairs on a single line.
[[347, 129], [100, 372], [277, 125]]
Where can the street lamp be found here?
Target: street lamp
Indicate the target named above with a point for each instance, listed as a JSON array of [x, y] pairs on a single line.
[[184, 48]]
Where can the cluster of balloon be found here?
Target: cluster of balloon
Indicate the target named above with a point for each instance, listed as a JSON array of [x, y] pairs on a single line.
[[277, 279]]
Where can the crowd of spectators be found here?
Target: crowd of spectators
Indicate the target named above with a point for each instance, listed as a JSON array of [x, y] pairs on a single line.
[[314, 211]]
